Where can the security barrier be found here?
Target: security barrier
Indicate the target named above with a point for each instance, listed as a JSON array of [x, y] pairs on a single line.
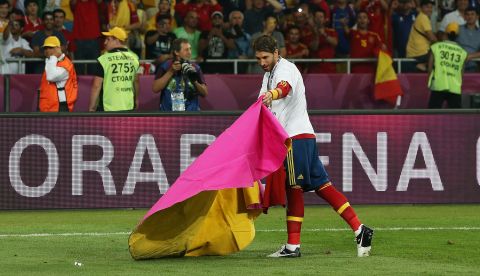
[[237, 92]]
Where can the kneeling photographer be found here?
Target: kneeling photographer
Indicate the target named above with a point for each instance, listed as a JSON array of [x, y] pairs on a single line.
[[179, 81]]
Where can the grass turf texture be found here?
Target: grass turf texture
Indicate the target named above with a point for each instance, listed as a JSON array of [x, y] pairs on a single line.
[[395, 252]]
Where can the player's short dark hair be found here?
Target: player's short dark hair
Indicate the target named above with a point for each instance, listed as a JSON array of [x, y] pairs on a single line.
[[265, 43], [177, 45]]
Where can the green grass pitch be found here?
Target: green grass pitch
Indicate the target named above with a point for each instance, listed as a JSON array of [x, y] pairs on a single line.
[[408, 240]]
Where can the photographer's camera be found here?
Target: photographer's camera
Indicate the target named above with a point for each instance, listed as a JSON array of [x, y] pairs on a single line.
[[189, 71]]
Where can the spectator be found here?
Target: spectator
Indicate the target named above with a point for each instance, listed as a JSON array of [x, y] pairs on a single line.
[[270, 29], [296, 49], [51, 5], [376, 11], [388, 29], [180, 82], [322, 5], [4, 8], [86, 30], [232, 5], [457, 16], [59, 26], [22, 5], [16, 14], [402, 21], [32, 21], [445, 66], [14, 46], [255, 14], [421, 36], [363, 44], [469, 37], [342, 14], [241, 38], [303, 18], [47, 30], [68, 22], [323, 46], [446, 6], [203, 8], [215, 44], [190, 32], [58, 87], [164, 9], [159, 41], [39, 38], [115, 86], [123, 14]]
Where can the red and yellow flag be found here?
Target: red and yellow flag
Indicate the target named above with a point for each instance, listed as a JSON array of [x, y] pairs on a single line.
[[387, 85]]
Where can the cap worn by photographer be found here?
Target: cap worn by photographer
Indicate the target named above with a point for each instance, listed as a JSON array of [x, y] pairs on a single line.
[[219, 13], [117, 32], [51, 41], [452, 27]]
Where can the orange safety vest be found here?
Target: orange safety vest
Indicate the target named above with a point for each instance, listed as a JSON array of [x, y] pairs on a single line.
[[48, 100]]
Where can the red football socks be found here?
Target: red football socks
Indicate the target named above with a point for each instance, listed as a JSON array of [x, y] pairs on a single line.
[[295, 213], [340, 204]]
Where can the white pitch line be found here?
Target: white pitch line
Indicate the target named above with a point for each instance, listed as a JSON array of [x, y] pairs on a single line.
[[461, 228], [464, 228], [61, 234]]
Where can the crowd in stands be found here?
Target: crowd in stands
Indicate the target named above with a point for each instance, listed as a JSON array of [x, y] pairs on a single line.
[[224, 29]]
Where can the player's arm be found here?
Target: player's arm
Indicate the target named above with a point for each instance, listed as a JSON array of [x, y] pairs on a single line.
[[136, 86], [431, 61], [473, 55], [95, 93], [280, 91]]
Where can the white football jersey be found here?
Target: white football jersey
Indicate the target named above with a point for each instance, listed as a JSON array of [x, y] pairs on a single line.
[[291, 111]]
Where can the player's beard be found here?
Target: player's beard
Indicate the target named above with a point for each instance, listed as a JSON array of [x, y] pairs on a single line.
[[270, 67]]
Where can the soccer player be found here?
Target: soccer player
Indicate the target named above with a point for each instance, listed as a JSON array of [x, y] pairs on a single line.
[[283, 92]]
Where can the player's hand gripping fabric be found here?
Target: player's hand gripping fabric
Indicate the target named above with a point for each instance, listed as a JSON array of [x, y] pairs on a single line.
[[267, 98]]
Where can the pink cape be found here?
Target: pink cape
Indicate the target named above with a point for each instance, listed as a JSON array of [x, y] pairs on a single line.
[[249, 150]]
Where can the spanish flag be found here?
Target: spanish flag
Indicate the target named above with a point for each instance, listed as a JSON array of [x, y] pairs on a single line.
[[211, 207], [387, 85]]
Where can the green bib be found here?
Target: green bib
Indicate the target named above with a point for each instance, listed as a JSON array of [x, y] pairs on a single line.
[[120, 69], [447, 68]]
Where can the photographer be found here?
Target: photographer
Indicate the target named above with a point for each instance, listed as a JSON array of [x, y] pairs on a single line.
[[179, 81], [214, 44]]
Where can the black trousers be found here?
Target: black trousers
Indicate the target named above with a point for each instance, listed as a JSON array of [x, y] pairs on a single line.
[[63, 107], [438, 97]]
